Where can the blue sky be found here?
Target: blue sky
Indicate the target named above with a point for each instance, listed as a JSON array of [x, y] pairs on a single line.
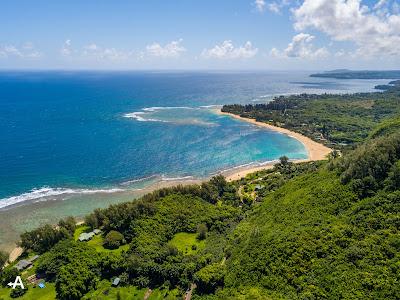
[[206, 34]]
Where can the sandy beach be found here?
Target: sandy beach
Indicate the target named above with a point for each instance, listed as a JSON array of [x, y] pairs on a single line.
[[315, 151], [242, 172]]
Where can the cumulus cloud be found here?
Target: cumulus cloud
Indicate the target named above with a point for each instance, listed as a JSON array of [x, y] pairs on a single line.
[[171, 50], [274, 7], [66, 49], [374, 32], [277, 6], [94, 51], [97, 52], [341, 53], [301, 47], [260, 5], [227, 50], [27, 50]]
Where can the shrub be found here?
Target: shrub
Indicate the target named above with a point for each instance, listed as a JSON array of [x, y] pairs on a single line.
[[113, 240], [202, 231], [209, 278], [18, 292]]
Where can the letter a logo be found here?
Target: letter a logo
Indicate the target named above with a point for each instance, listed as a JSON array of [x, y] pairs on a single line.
[[17, 282]]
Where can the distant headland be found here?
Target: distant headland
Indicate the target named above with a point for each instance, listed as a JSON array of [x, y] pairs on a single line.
[[360, 74]]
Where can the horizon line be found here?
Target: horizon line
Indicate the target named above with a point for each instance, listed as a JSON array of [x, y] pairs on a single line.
[[184, 70]]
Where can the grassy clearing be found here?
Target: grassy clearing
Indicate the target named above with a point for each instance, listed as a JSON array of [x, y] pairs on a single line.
[[97, 241], [48, 293], [184, 242]]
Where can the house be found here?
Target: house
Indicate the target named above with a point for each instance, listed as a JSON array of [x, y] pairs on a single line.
[[33, 258], [116, 281], [84, 237], [23, 264], [87, 236], [258, 187]]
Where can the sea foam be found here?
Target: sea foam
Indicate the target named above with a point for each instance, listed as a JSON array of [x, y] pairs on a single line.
[[42, 194], [139, 116], [147, 115], [46, 192]]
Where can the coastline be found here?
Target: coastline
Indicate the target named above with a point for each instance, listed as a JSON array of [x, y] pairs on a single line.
[[315, 151], [243, 172], [32, 214]]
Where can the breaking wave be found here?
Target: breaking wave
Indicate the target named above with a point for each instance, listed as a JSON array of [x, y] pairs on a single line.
[[46, 192]]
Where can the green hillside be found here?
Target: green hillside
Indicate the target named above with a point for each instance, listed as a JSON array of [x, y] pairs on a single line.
[[324, 234]]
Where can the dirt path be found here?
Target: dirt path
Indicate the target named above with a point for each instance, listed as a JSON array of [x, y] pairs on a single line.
[[189, 293], [147, 295]]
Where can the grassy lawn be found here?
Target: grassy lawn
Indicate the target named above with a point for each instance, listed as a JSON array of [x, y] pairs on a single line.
[[48, 293], [106, 291], [97, 241], [184, 242]]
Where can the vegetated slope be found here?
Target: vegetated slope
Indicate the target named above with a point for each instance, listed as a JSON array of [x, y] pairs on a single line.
[[333, 233], [388, 126], [210, 211]]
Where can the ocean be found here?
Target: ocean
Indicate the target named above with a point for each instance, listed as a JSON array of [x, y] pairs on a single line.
[[74, 141]]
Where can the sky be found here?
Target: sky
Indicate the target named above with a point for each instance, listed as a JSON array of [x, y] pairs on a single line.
[[200, 34]]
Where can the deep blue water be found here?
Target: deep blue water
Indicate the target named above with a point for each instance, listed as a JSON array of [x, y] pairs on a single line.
[[98, 130]]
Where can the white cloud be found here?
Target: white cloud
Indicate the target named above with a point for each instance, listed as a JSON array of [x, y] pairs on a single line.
[[66, 49], [97, 52], [260, 5], [227, 50], [11, 51], [375, 33], [301, 47], [274, 7], [93, 51], [25, 51], [340, 53], [278, 5], [172, 49]]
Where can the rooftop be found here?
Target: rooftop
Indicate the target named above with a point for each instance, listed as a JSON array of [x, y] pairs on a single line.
[[23, 264], [86, 236], [116, 281]]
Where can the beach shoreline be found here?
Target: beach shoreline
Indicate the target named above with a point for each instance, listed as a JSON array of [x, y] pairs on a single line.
[[315, 150], [244, 171]]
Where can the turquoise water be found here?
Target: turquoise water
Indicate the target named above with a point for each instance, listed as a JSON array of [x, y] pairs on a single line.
[[70, 134]]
